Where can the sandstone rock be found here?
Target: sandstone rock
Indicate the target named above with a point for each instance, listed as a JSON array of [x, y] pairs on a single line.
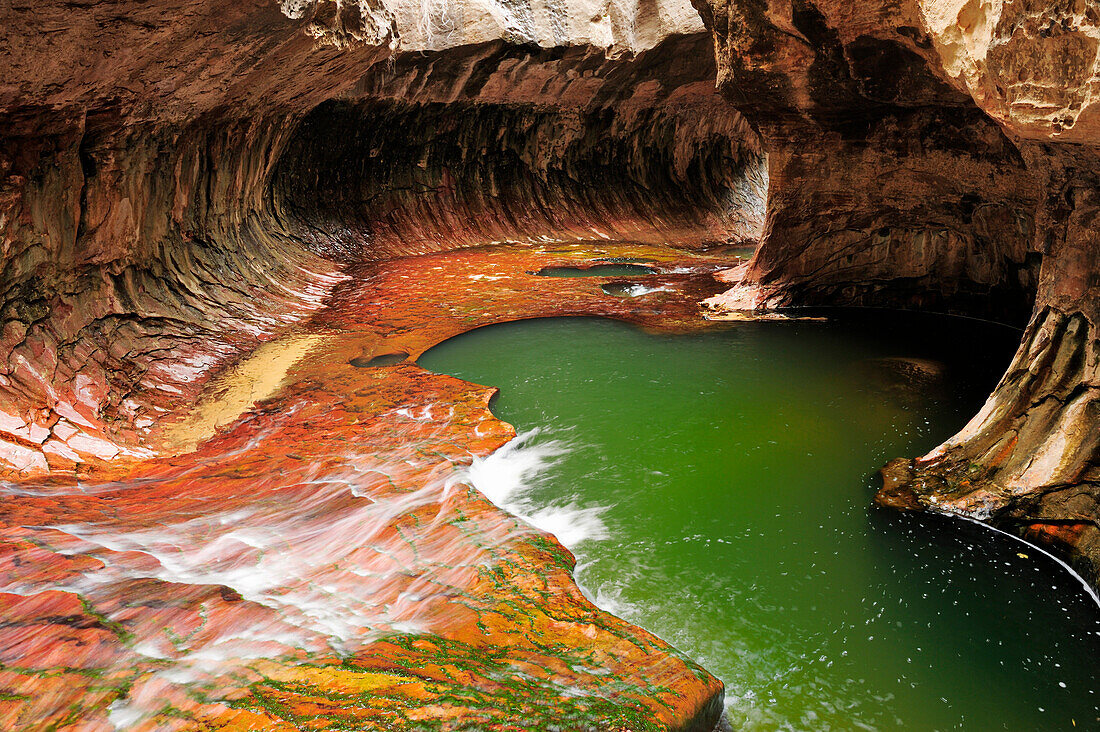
[[919, 155], [319, 561], [172, 205], [1032, 66], [183, 182], [183, 191]]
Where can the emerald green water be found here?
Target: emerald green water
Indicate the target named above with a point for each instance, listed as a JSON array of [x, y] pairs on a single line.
[[716, 488], [617, 269]]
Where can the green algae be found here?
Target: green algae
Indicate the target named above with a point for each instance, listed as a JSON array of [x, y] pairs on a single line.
[[505, 699]]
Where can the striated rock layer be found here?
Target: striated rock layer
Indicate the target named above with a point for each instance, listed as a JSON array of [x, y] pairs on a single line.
[[219, 513], [322, 562], [942, 154], [199, 200], [161, 217]]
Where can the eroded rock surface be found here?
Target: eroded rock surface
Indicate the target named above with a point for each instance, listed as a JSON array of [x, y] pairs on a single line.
[[888, 186], [321, 563], [222, 511], [182, 185], [1033, 66], [942, 154], [187, 187]]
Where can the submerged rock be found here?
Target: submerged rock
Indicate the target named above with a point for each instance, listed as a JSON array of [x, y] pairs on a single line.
[[901, 377]]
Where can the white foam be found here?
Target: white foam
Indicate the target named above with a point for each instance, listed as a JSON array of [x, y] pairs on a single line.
[[510, 472], [608, 597], [508, 477], [571, 524], [1084, 583]]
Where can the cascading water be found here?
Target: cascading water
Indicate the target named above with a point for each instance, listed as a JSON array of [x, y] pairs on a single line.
[[510, 476], [323, 541], [309, 562], [336, 541]]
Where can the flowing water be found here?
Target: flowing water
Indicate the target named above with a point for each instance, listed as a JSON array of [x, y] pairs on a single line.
[[715, 488]]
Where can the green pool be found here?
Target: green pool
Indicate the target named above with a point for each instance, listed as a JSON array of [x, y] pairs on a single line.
[[597, 270], [716, 490]]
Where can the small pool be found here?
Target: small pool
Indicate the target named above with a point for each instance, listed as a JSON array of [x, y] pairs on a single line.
[[597, 270], [716, 490]]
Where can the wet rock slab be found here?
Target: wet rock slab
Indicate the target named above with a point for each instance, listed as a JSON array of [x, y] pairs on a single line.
[[317, 561]]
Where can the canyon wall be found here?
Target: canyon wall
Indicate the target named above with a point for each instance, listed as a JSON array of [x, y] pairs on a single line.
[[182, 183], [220, 515], [889, 187], [942, 154], [179, 184], [499, 143]]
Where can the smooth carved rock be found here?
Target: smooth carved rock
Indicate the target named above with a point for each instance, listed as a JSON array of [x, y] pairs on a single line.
[[320, 561], [886, 185], [182, 184], [142, 256], [185, 190], [919, 155]]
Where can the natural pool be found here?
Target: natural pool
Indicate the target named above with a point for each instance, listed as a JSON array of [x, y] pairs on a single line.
[[715, 488], [615, 269]]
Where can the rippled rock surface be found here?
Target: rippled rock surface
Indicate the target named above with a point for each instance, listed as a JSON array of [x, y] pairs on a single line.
[[322, 560]]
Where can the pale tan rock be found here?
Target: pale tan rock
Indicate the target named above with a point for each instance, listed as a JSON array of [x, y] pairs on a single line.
[[619, 26], [1033, 66]]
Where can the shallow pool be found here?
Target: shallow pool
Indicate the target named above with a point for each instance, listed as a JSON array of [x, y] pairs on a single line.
[[597, 270], [716, 490]]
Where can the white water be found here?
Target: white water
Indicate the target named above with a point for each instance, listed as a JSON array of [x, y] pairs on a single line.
[[509, 475], [313, 555], [1034, 547]]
